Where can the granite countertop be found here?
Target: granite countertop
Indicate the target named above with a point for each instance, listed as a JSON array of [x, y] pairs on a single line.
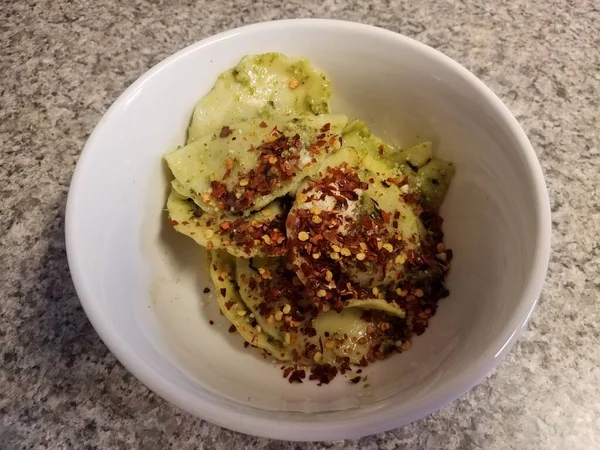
[[64, 62]]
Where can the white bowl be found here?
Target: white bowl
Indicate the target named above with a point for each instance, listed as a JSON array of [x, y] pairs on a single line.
[[141, 284]]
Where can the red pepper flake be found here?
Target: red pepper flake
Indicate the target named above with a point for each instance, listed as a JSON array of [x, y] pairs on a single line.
[[297, 376], [380, 148], [232, 329], [277, 164], [229, 304], [310, 331], [173, 222], [246, 344], [223, 292], [287, 371], [355, 380], [324, 373], [206, 290], [225, 131], [385, 216], [212, 322], [263, 124], [295, 355], [326, 127], [412, 198], [218, 189]]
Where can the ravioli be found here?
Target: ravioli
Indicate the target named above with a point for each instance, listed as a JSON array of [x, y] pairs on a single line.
[[260, 234], [222, 272], [358, 135], [347, 332], [247, 166], [261, 86], [336, 334], [431, 176], [251, 273], [375, 228], [433, 180], [325, 241]]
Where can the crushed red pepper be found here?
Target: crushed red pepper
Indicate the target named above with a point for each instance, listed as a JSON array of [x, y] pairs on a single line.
[[246, 234], [297, 376], [298, 289], [265, 232], [360, 247], [278, 163], [225, 131]]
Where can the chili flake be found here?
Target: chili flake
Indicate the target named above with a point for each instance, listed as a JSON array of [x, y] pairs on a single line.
[[225, 131]]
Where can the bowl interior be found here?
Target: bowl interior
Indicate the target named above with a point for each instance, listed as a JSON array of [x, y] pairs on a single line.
[[142, 284]]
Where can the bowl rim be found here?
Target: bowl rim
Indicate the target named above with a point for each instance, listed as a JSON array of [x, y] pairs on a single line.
[[317, 428]]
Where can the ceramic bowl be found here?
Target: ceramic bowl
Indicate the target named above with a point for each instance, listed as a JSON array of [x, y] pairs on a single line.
[[141, 284]]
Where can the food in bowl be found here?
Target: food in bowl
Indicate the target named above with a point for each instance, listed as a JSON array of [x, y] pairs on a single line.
[[325, 243]]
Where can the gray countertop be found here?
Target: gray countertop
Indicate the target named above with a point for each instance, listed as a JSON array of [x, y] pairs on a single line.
[[62, 63]]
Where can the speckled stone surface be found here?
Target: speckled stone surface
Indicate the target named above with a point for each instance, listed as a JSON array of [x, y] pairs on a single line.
[[62, 63]]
